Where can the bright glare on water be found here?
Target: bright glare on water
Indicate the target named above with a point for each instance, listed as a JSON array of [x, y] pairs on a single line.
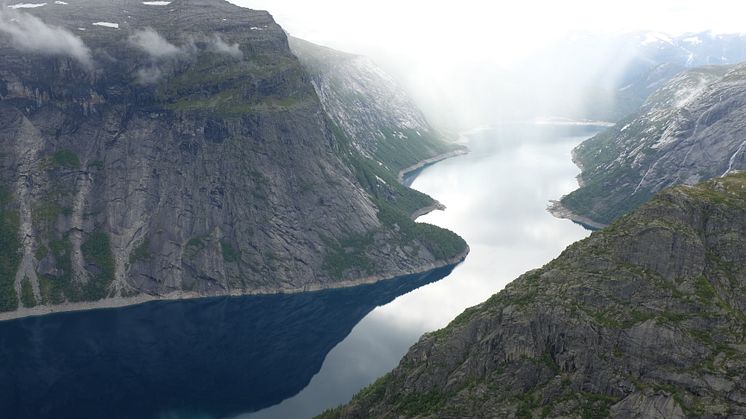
[[292, 356], [496, 199]]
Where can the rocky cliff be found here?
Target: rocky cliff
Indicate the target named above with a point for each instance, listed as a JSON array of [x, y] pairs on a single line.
[[646, 318], [689, 130], [651, 59], [179, 148], [371, 108]]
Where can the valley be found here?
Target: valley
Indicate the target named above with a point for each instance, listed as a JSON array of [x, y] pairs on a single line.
[[468, 210]]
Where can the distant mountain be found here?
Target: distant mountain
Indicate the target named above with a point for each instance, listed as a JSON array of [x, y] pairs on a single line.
[[654, 58], [604, 77], [691, 129], [371, 108], [177, 149], [644, 319]]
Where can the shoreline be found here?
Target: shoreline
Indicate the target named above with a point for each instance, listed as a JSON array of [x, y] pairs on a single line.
[[437, 206], [432, 160], [121, 302], [576, 161], [560, 211], [559, 120]]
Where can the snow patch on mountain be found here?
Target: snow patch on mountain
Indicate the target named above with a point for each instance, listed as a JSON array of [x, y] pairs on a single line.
[[26, 5], [106, 24]]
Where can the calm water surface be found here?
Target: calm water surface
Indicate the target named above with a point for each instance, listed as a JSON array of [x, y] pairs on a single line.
[[205, 358], [292, 356], [496, 199]]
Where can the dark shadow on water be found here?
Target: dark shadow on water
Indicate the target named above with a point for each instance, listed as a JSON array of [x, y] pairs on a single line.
[[198, 358]]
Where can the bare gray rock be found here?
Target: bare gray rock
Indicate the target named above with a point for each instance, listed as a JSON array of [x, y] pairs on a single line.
[[371, 108], [644, 319], [193, 169], [689, 130]]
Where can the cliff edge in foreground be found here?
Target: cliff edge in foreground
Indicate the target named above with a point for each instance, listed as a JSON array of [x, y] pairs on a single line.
[[643, 319]]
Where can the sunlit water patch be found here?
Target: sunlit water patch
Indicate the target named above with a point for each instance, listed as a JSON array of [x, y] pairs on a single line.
[[292, 356], [496, 199]]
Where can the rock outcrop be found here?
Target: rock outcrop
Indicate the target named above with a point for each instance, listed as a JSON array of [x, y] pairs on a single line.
[[180, 149], [646, 318], [371, 108], [690, 130]]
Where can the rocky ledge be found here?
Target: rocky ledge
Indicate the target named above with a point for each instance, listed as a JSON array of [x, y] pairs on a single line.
[[645, 318]]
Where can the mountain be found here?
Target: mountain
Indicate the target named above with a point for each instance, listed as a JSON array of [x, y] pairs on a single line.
[[642, 319], [608, 77], [371, 108], [689, 130], [658, 57], [177, 149]]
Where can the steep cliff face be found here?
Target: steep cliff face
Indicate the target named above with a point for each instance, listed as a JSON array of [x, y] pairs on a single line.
[[368, 105], [180, 148], [646, 318], [689, 130]]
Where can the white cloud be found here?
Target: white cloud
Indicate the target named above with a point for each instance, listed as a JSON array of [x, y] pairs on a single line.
[[154, 44], [216, 44], [445, 52], [149, 75], [500, 31], [29, 33]]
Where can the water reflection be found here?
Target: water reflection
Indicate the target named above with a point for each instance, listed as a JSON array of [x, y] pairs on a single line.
[[496, 197], [292, 356], [198, 358]]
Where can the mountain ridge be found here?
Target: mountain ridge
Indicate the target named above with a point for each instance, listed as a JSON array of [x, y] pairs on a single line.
[[642, 319], [371, 108], [686, 132], [181, 150]]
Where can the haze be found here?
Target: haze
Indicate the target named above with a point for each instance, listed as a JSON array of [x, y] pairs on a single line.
[[447, 52], [477, 29], [456, 58]]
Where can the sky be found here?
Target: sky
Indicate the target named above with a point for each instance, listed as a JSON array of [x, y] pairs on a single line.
[[446, 52], [501, 32]]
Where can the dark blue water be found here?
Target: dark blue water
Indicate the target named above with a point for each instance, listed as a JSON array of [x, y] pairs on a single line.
[[197, 358], [292, 356], [496, 199]]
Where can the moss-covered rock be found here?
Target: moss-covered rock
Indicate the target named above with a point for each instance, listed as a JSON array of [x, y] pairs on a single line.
[[688, 130], [646, 318], [124, 160]]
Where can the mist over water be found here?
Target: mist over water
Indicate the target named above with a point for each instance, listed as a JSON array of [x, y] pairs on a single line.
[[496, 199]]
